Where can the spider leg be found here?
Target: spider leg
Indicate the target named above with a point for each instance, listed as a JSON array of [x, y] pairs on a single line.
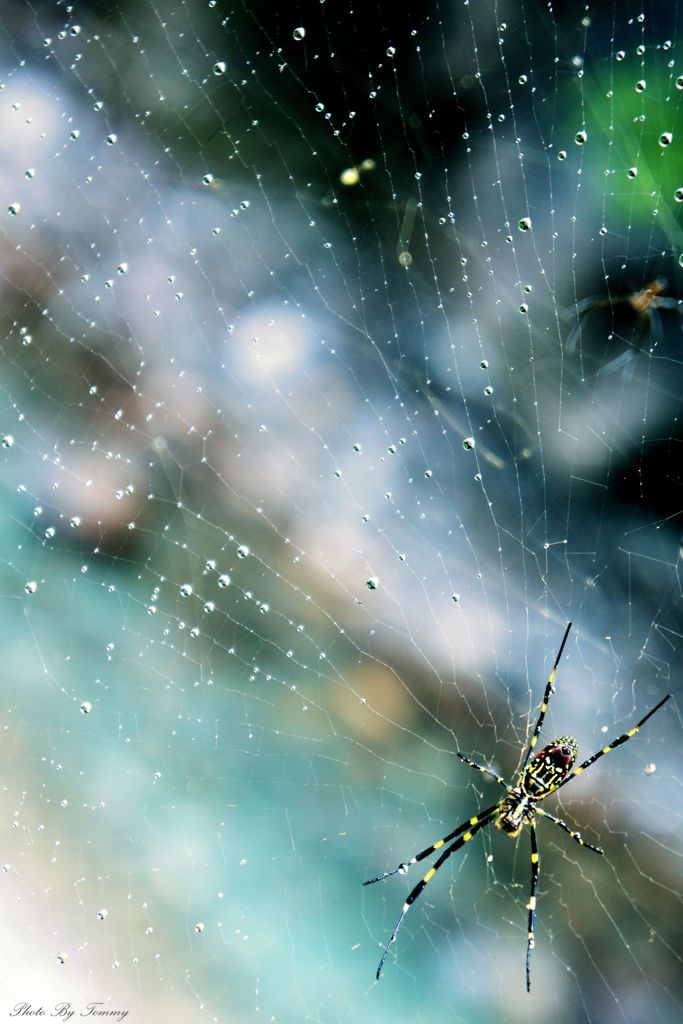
[[546, 695], [531, 905], [615, 743], [403, 867], [578, 314], [625, 360], [576, 836], [487, 771], [482, 822]]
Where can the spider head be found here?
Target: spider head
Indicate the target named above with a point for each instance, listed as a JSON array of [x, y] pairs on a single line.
[[546, 770]]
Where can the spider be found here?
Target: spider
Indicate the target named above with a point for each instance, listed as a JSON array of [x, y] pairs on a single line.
[[539, 776], [644, 305]]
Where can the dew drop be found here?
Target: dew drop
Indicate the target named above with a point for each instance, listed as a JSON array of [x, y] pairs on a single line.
[[299, 33], [665, 139], [524, 224], [468, 444]]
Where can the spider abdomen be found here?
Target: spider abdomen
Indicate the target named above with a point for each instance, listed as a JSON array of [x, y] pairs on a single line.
[[544, 772]]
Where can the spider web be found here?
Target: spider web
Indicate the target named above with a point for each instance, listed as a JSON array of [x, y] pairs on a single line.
[[341, 369]]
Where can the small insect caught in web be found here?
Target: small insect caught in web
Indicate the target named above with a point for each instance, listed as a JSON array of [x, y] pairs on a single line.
[[541, 775], [639, 317]]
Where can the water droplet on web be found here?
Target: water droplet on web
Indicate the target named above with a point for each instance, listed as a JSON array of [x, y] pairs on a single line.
[[484, 364], [391, 51], [186, 590], [620, 54], [372, 583], [524, 224], [112, 139], [7, 441], [14, 209], [678, 195], [488, 390], [468, 444], [405, 258], [31, 587], [103, 914], [641, 85], [632, 172], [86, 707], [299, 33], [350, 176], [199, 927], [650, 769], [223, 580], [219, 67], [665, 139], [243, 551], [679, 82]]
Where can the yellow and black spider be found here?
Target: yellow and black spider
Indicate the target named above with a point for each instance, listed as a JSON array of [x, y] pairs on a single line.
[[539, 776]]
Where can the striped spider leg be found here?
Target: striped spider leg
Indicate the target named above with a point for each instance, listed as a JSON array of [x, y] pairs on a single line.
[[540, 775]]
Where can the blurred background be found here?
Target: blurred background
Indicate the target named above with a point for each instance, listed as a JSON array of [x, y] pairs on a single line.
[[341, 368]]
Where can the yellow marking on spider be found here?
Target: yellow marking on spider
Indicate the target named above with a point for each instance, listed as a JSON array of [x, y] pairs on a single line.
[[544, 708], [473, 821], [533, 740], [466, 838], [606, 750], [531, 905], [551, 677], [534, 858], [530, 937], [437, 846], [578, 771], [430, 874], [632, 732]]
